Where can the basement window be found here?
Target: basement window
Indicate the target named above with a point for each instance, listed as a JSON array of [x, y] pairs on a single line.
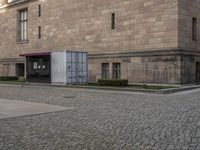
[[194, 29]]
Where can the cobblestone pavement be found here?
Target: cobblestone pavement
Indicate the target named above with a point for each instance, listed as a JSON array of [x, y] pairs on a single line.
[[103, 120]]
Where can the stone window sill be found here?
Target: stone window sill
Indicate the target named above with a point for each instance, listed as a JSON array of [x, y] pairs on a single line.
[[22, 42]]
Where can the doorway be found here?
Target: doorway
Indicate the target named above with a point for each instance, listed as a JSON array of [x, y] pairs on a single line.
[[198, 72], [6, 70], [38, 69], [19, 70]]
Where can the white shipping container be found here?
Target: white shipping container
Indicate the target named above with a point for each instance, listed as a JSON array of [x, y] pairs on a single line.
[[69, 68]]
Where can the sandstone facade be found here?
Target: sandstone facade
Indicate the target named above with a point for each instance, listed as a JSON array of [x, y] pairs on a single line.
[[152, 39]]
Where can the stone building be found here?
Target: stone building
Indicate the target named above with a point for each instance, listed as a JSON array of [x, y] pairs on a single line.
[[144, 41]]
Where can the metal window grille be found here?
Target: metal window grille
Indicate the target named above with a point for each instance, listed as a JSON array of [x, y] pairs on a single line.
[[116, 71], [105, 70]]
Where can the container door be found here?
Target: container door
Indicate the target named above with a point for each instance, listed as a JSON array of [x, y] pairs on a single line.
[[85, 68], [69, 67], [58, 67], [77, 56], [76, 67]]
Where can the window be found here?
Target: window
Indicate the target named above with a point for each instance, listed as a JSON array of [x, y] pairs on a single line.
[[39, 32], [105, 70], [194, 29], [23, 25], [35, 65], [10, 1], [116, 71], [113, 21], [39, 10]]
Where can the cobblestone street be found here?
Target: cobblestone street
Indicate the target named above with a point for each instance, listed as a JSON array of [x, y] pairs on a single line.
[[102, 120]]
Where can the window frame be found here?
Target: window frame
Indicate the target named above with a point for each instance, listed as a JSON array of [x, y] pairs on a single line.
[[39, 10], [105, 70], [113, 21], [10, 1], [194, 29], [116, 71], [39, 32], [22, 25]]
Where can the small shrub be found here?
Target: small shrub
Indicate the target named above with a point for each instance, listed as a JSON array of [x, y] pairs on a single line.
[[11, 78], [109, 82], [153, 87]]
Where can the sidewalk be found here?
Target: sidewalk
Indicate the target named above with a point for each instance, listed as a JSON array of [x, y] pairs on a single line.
[[162, 91], [127, 89]]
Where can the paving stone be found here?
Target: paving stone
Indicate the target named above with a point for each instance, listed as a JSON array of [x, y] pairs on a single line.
[[102, 120]]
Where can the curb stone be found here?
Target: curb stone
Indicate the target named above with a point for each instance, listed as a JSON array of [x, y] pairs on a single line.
[[162, 91]]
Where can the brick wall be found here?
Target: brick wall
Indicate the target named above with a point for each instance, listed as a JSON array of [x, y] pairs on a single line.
[[152, 69], [187, 10], [86, 25]]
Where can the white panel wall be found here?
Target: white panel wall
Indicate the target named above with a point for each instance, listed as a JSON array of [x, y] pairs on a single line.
[[69, 68], [58, 68]]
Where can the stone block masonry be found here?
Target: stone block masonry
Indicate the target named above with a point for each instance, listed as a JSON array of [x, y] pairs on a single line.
[[145, 26]]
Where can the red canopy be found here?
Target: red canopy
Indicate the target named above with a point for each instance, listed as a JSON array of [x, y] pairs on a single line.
[[36, 54]]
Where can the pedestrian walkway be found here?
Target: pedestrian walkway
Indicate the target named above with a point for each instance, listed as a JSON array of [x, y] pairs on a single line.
[[14, 108]]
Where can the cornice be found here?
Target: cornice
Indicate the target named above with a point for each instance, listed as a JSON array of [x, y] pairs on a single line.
[[8, 60], [150, 53], [16, 3], [158, 53]]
